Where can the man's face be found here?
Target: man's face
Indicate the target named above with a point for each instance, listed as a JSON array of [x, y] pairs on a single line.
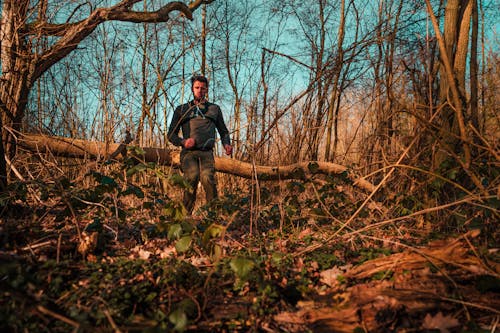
[[200, 90]]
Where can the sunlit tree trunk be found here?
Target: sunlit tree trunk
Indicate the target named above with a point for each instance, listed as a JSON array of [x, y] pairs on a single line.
[[335, 94], [391, 106], [318, 127], [264, 112], [203, 40], [232, 79], [474, 89], [453, 45], [144, 84]]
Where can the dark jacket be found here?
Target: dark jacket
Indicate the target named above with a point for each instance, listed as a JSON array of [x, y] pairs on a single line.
[[198, 123]]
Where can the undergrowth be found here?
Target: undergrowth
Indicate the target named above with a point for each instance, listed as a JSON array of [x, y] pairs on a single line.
[[119, 255]]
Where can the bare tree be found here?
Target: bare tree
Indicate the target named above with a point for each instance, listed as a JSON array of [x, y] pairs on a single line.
[[24, 59]]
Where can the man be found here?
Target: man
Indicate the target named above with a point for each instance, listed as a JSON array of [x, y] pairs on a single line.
[[198, 121]]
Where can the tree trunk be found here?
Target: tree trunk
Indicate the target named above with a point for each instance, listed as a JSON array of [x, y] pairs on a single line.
[[474, 102], [336, 92], [16, 79], [453, 49], [67, 147]]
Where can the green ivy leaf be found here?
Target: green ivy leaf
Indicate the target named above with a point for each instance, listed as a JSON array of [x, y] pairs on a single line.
[[150, 297], [177, 180], [175, 210], [134, 150], [298, 186], [188, 306], [214, 230], [179, 213], [241, 266], [216, 252], [277, 258], [183, 244], [179, 319], [133, 190], [175, 231], [135, 169], [106, 180]]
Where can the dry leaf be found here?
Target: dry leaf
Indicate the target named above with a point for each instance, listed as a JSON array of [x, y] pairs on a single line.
[[304, 233], [440, 322], [88, 243], [168, 251], [143, 254], [330, 276]]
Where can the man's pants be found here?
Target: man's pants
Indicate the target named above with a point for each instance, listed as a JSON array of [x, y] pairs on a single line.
[[197, 166]]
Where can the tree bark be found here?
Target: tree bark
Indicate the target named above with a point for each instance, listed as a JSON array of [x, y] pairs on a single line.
[[67, 147]]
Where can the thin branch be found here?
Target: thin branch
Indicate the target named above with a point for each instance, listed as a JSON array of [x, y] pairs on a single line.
[[58, 316], [288, 57]]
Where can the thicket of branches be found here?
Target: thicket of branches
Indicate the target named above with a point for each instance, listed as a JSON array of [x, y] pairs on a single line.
[[362, 85]]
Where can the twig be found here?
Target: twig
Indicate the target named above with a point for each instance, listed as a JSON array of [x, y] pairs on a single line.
[[58, 316], [36, 246], [495, 324], [379, 185], [21, 178], [465, 303], [491, 271], [420, 212], [111, 321], [58, 252], [490, 149], [411, 167]]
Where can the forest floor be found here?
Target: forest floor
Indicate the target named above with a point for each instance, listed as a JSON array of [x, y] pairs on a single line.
[[96, 260]]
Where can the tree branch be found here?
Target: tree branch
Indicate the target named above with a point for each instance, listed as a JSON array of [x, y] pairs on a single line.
[[73, 33]]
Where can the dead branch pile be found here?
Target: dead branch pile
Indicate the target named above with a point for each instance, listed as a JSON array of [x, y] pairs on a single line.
[[414, 283]]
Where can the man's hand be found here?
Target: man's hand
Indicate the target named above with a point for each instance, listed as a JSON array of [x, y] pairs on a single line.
[[189, 143], [229, 149]]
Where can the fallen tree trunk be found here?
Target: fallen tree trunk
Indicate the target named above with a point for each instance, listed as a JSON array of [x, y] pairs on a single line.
[[67, 147]]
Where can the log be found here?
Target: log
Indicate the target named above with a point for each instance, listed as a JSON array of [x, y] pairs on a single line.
[[78, 148]]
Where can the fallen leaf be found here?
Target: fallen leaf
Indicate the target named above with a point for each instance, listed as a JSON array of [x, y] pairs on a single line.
[[330, 276], [440, 322], [304, 233], [144, 255]]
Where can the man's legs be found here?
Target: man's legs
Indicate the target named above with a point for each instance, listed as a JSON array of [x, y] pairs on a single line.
[[190, 167], [207, 174]]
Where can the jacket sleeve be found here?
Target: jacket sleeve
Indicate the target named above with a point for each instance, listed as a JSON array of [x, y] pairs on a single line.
[[222, 129], [175, 127]]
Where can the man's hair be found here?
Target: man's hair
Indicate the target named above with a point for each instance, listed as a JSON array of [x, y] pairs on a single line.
[[199, 78]]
